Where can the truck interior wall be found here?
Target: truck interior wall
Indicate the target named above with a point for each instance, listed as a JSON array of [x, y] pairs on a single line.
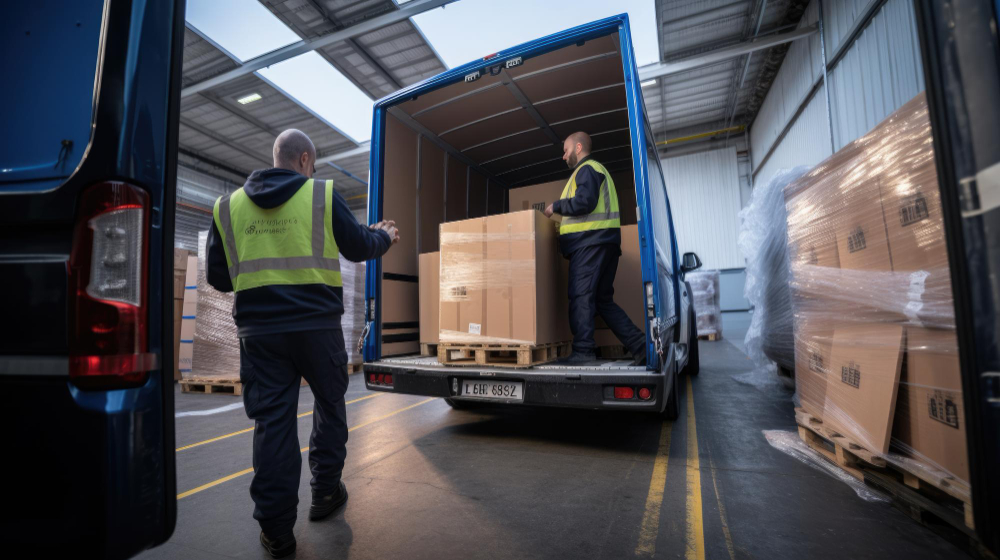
[[430, 195], [456, 190], [477, 195]]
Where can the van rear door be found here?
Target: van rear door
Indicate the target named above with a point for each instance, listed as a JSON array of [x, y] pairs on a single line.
[[86, 234]]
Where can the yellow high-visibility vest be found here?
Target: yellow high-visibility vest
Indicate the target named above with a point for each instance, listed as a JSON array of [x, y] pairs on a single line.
[[289, 244], [604, 216]]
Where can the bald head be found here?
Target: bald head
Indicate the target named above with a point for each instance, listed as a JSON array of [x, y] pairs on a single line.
[[294, 150], [575, 148]]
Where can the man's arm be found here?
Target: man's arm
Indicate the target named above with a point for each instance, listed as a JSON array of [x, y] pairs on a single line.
[[218, 271], [356, 242], [588, 183]]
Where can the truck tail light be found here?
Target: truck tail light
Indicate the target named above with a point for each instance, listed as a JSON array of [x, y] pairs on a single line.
[[108, 277], [624, 393], [645, 393]]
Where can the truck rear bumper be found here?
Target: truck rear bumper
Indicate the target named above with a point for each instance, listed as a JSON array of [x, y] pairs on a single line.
[[564, 387]]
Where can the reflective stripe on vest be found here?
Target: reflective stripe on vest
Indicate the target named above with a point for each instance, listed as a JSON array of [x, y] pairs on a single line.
[[604, 216], [289, 244]]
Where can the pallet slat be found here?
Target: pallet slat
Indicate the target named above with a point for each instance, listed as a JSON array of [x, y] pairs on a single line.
[[501, 355]]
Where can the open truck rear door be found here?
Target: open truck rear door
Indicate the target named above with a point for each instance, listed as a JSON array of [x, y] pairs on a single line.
[[87, 174]]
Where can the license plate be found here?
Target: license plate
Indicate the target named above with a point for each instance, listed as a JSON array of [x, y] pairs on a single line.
[[493, 390]]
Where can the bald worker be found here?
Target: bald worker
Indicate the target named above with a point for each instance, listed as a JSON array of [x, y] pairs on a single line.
[[276, 243], [590, 237]]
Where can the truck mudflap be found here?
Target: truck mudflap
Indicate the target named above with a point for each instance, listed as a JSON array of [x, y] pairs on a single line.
[[596, 388]]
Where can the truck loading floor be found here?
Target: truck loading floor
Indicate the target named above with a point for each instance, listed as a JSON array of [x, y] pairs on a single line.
[[426, 481]]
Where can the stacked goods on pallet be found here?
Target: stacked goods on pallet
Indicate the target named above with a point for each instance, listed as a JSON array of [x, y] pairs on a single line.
[[216, 346], [706, 299], [189, 313], [764, 243], [353, 322], [875, 346], [180, 275], [500, 283]]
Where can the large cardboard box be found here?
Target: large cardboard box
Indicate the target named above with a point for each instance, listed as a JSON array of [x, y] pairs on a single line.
[[930, 416], [501, 281], [813, 359], [180, 271], [862, 383], [430, 292], [535, 197]]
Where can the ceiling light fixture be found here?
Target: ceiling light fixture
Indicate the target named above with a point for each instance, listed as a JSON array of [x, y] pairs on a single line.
[[251, 98], [648, 83]]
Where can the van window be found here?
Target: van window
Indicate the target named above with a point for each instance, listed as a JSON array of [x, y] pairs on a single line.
[[50, 60], [660, 206]]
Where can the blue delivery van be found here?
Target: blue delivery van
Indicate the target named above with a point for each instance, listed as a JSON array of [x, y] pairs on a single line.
[[456, 145]]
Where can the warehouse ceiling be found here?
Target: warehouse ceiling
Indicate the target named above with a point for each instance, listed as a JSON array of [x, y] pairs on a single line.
[[724, 94], [226, 137]]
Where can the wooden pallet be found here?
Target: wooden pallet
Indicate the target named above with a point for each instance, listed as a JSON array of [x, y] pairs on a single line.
[[353, 368], [502, 355], [917, 488], [228, 386], [712, 337], [427, 349]]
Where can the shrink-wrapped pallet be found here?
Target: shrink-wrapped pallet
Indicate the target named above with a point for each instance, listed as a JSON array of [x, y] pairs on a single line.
[[706, 299]]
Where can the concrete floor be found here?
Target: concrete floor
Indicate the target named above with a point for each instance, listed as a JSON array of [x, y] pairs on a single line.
[[429, 482]]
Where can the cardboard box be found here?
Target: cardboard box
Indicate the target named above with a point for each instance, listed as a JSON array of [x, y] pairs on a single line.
[[862, 383], [535, 197], [189, 311], [180, 271], [501, 281], [430, 292], [813, 359], [930, 415]]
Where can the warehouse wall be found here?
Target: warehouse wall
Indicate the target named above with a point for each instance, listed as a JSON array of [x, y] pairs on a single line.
[[705, 199], [879, 72]]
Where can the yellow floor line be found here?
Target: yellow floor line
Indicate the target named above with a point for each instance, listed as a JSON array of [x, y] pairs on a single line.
[[304, 449], [650, 527], [695, 541], [372, 396]]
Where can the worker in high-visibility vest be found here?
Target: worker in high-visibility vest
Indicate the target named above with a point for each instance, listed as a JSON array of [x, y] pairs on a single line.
[[277, 242], [590, 237]]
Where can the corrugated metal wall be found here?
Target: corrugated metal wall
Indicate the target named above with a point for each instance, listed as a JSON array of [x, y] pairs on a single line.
[[880, 71], [196, 194], [704, 192]]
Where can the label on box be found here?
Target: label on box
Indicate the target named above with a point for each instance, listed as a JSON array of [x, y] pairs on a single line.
[[540, 206], [856, 240], [475, 328], [943, 407], [816, 362], [913, 210], [851, 374]]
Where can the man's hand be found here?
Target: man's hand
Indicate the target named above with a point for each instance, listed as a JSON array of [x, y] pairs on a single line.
[[549, 211], [388, 226]]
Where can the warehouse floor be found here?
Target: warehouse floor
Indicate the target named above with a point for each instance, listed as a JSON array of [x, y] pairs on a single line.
[[429, 482]]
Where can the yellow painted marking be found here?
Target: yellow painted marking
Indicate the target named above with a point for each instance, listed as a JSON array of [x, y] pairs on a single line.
[[722, 513], [250, 470], [372, 396], [650, 527], [695, 541], [213, 483]]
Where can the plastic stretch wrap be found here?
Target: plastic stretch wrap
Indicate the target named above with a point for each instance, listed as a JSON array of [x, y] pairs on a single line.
[[764, 243], [216, 346], [875, 347], [705, 297], [353, 322]]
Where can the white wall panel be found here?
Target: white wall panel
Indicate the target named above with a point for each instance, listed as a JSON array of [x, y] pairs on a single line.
[[880, 72], [807, 142], [704, 192]]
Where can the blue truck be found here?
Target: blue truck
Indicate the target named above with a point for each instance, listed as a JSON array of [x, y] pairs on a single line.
[[455, 146]]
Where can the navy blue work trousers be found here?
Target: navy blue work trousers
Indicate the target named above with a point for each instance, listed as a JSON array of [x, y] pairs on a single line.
[[591, 291], [271, 369]]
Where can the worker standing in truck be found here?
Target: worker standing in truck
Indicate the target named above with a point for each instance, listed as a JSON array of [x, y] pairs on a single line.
[[590, 237], [276, 242]]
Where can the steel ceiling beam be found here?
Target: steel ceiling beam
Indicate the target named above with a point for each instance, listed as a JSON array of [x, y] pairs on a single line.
[[364, 148], [416, 7], [658, 70]]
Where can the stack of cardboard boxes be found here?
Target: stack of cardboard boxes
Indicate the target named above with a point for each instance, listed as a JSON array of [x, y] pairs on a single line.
[[180, 275], [875, 348]]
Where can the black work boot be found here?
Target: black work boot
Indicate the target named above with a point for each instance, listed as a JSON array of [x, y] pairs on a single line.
[[322, 506], [279, 546], [578, 358]]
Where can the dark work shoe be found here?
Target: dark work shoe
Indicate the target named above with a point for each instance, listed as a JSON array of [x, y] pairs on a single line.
[[323, 506], [578, 358], [280, 546]]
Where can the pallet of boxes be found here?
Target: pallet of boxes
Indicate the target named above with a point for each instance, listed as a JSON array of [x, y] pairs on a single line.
[[496, 292], [706, 298], [210, 348], [877, 369]]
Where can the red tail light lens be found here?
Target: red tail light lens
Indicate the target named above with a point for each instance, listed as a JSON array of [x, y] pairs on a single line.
[[388, 379], [645, 393], [624, 393], [108, 277]]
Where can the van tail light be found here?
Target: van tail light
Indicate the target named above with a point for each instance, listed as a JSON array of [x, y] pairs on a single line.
[[108, 278]]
